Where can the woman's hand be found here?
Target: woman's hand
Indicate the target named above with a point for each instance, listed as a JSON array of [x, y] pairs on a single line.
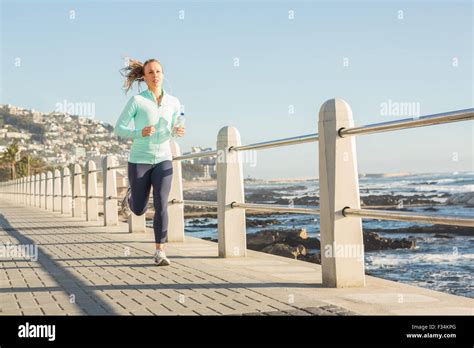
[[180, 131], [148, 130]]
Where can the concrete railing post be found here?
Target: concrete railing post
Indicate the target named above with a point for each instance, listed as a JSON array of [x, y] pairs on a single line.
[[31, 189], [49, 191], [77, 192], [25, 189], [176, 211], [57, 190], [342, 248], [92, 202], [18, 190], [37, 190], [109, 177], [66, 195], [22, 190], [26, 184], [43, 191], [230, 188]]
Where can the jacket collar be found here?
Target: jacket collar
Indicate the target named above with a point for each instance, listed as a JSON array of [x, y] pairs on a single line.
[[149, 94]]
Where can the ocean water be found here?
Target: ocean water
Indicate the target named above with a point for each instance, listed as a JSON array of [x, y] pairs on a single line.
[[438, 263]]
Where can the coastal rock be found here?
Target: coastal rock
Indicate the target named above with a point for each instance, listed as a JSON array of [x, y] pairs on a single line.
[[395, 200], [261, 195], [466, 198], [444, 229], [282, 250], [439, 235], [261, 222], [298, 244], [259, 240], [373, 242], [305, 200], [314, 258]]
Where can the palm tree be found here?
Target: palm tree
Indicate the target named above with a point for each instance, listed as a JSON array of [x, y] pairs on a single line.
[[9, 158], [37, 165]]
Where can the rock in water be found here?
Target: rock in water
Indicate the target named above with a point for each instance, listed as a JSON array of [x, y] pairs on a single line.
[[281, 250], [259, 240], [373, 242], [466, 198]]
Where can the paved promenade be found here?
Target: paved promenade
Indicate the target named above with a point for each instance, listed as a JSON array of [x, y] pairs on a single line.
[[84, 268]]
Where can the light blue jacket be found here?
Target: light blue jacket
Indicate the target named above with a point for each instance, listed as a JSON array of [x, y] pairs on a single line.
[[145, 111]]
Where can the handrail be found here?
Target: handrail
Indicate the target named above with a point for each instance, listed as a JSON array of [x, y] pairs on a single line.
[[250, 206], [196, 155], [212, 204], [275, 208], [446, 117], [279, 142], [402, 216]]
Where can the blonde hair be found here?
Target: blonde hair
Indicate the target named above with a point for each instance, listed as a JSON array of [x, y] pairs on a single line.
[[135, 72]]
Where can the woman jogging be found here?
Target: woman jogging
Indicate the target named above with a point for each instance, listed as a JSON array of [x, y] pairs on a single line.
[[154, 113]]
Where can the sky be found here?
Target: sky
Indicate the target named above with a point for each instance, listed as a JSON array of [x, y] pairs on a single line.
[[264, 67]]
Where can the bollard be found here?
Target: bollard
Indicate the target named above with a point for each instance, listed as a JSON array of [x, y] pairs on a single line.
[[342, 248], [176, 211], [110, 191], [232, 237], [77, 193], [66, 195], [92, 202]]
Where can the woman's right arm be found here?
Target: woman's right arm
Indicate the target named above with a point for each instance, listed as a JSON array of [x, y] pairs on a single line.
[[121, 127]]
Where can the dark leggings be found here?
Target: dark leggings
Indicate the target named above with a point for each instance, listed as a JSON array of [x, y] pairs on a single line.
[[141, 177]]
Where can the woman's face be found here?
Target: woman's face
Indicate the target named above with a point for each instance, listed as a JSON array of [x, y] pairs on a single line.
[[153, 75]]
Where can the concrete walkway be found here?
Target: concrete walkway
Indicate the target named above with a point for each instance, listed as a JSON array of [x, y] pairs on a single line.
[[85, 268]]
